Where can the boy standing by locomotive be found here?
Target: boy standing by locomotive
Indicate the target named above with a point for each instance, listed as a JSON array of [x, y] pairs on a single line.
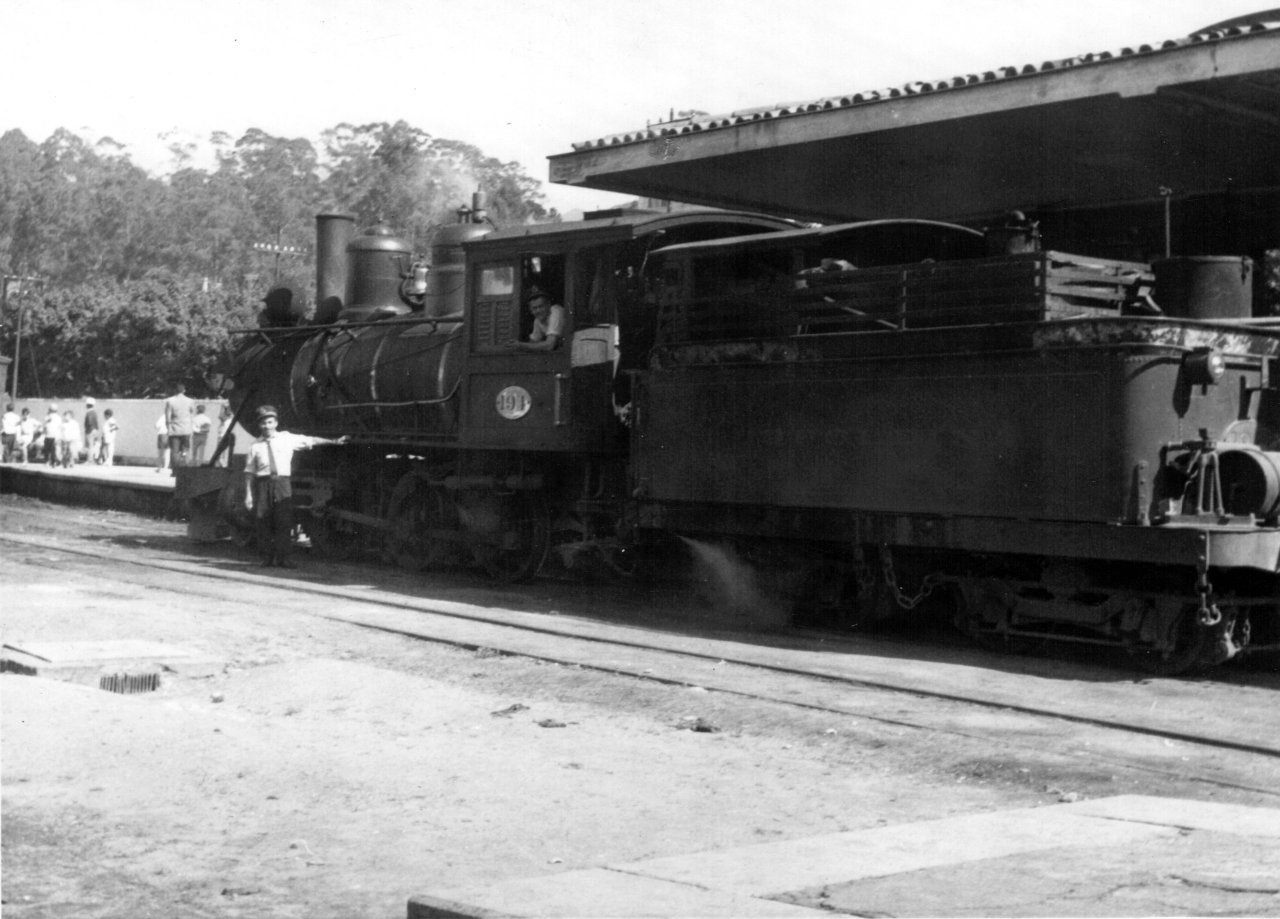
[[268, 490]]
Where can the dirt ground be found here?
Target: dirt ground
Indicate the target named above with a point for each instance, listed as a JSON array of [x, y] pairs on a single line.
[[305, 767]]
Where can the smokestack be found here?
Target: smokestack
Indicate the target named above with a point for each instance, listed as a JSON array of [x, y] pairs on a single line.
[[333, 233]]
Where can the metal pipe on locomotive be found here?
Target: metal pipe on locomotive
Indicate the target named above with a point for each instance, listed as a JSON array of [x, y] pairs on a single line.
[[886, 409]]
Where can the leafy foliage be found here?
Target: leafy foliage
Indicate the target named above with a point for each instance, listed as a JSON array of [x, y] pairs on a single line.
[[145, 276], [135, 338]]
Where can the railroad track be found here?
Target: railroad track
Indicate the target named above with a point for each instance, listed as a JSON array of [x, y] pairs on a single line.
[[1147, 725]]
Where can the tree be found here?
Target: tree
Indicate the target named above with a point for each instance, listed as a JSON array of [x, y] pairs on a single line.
[[513, 197], [401, 174], [210, 228], [161, 268], [280, 183], [385, 173], [19, 206], [133, 339]]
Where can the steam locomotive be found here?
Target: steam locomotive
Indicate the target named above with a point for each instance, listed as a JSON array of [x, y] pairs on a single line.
[[1067, 448]]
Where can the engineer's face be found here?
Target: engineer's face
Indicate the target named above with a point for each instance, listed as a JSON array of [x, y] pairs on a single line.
[[268, 425]]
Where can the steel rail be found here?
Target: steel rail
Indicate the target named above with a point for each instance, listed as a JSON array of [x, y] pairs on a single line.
[[826, 676]]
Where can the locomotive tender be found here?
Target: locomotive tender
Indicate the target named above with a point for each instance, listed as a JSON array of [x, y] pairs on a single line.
[[883, 410]]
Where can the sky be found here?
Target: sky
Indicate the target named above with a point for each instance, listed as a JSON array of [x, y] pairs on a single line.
[[519, 79]]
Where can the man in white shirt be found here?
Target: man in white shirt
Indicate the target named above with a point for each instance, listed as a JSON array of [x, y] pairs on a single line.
[[10, 434], [179, 415], [548, 324], [268, 490]]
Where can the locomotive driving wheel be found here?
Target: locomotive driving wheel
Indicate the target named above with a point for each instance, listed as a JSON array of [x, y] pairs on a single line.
[[509, 534], [329, 537], [418, 511]]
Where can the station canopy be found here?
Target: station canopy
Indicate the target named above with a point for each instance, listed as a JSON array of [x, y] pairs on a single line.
[[1187, 118]]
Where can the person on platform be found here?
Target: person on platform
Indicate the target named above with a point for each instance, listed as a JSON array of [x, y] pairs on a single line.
[[52, 431], [179, 417], [28, 431], [92, 432], [268, 492], [68, 440], [201, 425], [162, 444], [110, 429], [548, 323], [9, 434]]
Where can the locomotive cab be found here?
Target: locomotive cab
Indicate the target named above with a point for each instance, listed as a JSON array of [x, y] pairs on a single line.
[[555, 399], [570, 398]]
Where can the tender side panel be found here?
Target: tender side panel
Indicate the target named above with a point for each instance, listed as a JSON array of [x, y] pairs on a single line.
[[1056, 435]]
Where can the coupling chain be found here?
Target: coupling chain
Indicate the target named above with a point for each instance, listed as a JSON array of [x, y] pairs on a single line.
[[926, 586]]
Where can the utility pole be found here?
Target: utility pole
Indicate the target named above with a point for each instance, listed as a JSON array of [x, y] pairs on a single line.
[[278, 249], [19, 288]]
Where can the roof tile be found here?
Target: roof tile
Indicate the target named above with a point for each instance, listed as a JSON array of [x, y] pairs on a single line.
[[865, 97]]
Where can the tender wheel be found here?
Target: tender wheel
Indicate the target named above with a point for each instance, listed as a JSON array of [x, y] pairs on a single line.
[[830, 597], [1190, 642], [981, 608], [510, 534]]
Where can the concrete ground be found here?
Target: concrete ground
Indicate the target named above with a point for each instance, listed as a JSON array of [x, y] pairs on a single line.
[[1126, 855]]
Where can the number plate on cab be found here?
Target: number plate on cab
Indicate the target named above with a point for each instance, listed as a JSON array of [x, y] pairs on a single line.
[[513, 402]]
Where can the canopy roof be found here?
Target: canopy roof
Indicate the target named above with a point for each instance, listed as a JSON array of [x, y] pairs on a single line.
[[1189, 117]]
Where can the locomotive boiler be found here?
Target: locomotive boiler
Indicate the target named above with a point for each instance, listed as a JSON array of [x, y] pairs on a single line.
[[1060, 445]]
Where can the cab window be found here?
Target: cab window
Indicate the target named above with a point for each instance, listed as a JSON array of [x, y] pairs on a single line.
[[546, 273], [494, 317]]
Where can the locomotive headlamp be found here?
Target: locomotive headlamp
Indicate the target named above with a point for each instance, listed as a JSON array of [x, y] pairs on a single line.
[[1203, 367], [418, 278]]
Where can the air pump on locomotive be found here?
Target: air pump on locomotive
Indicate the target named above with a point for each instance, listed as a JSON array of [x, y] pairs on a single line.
[[885, 410]]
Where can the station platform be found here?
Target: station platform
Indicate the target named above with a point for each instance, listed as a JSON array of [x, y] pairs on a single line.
[[136, 489], [1129, 855]]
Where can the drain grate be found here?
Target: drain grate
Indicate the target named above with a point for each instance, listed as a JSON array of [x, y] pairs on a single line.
[[126, 666], [129, 683]]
